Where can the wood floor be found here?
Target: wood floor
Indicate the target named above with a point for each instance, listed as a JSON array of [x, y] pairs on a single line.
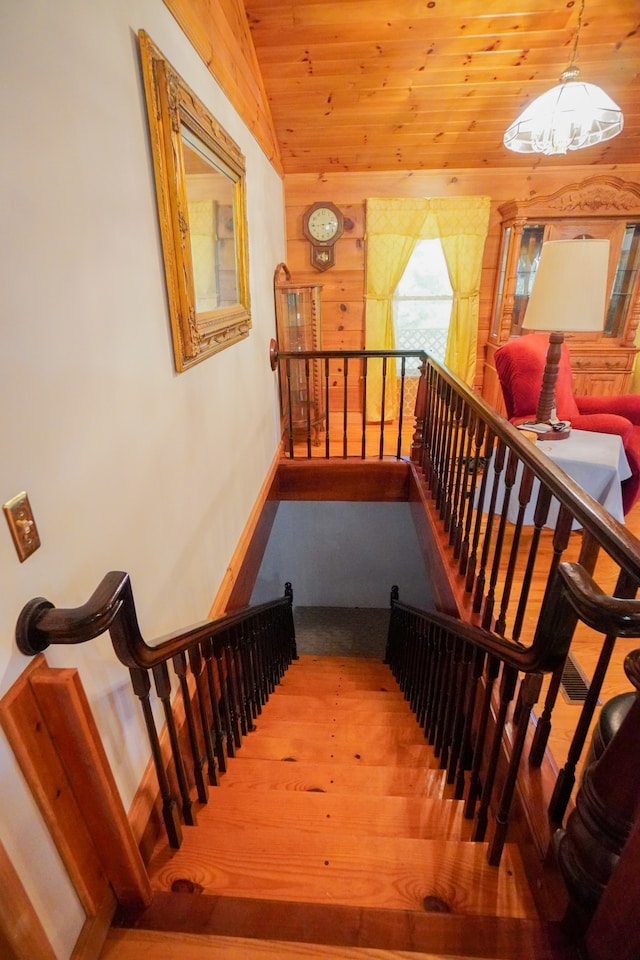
[[334, 834]]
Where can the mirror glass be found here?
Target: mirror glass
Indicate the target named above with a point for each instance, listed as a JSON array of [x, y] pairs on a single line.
[[211, 226]]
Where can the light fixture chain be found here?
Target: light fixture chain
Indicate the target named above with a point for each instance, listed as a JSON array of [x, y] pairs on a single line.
[[574, 52]]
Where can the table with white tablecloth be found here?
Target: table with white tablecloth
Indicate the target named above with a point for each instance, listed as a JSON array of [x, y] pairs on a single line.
[[596, 461]]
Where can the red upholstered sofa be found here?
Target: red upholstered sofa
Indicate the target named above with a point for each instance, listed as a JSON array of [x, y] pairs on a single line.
[[520, 364]]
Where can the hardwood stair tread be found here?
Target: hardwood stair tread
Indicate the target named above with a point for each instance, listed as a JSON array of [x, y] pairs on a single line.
[[353, 749], [132, 944], [390, 872], [305, 706], [324, 813], [405, 731], [442, 934], [247, 773]]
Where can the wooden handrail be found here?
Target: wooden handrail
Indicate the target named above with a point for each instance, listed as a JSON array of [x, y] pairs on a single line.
[[547, 651], [112, 607], [225, 668]]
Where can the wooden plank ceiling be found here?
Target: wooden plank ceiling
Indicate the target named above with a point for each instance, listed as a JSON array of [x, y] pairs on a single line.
[[357, 85]]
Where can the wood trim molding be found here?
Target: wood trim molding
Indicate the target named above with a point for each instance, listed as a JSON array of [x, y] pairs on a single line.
[[25, 726], [240, 576], [64, 705]]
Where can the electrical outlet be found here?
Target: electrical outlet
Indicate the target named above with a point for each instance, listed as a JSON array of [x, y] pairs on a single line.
[[22, 525]]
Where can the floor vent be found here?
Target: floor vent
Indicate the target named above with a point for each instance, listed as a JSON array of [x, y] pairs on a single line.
[[574, 684]]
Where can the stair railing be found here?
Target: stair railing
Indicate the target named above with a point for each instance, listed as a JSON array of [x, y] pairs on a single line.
[[496, 502], [439, 662], [224, 670], [329, 380], [448, 671]]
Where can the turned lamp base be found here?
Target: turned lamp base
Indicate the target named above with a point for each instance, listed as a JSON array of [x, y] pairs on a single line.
[[546, 424]]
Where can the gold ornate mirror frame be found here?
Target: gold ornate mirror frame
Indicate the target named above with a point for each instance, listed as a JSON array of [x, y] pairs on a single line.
[[200, 186]]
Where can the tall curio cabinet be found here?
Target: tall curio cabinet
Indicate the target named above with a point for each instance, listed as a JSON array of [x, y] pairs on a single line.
[[600, 207], [298, 329]]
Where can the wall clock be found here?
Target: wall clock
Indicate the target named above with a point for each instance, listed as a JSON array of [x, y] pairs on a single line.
[[322, 225]]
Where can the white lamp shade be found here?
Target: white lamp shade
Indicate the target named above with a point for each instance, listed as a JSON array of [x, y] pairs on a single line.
[[570, 116], [570, 287]]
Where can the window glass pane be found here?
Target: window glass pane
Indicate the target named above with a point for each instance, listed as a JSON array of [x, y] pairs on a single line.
[[422, 303]]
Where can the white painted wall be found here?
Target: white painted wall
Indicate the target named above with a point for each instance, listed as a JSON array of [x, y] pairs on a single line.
[[128, 465], [344, 555]]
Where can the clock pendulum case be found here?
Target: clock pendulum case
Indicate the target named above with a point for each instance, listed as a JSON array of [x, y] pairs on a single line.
[[322, 225]]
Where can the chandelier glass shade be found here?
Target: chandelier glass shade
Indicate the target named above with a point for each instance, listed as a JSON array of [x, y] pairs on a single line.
[[570, 116]]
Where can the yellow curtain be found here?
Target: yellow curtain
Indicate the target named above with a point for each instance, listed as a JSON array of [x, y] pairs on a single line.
[[463, 223], [393, 227]]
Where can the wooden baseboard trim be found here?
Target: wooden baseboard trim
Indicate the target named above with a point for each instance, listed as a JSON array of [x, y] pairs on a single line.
[[237, 584]]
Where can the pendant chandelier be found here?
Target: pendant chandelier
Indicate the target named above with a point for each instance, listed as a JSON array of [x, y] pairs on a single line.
[[570, 116]]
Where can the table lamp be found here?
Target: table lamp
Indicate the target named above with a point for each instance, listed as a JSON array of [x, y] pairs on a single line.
[[568, 295]]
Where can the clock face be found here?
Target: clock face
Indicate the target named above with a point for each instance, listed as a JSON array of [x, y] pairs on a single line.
[[323, 224]]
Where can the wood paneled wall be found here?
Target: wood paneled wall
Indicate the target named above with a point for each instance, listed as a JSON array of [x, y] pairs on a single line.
[[343, 284]]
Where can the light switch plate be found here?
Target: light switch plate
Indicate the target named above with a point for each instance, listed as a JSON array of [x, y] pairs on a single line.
[[22, 525]]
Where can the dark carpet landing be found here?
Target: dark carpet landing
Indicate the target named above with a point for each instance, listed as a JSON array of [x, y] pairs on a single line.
[[342, 631]]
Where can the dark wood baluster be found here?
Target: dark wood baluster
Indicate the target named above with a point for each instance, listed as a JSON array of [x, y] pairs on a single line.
[[454, 463], [457, 463], [383, 403], [403, 365], [455, 659], [345, 425], [246, 713], [438, 441], [231, 683], [540, 514], [420, 414], [444, 696], [219, 732], [529, 693], [197, 669], [462, 698], [498, 464], [468, 563], [421, 655], [308, 395], [467, 733], [197, 755], [626, 588], [289, 408], [327, 450], [163, 689], [225, 707], [561, 536], [442, 502], [439, 688], [363, 439], [507, 690], [142, 687], [475, 780], [250, 674], [524, 496], [426, 709], [509, 481], [460, 499], [429, 426]]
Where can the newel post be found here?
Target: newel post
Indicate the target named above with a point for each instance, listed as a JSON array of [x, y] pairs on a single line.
[[417, 441], [593, 844]]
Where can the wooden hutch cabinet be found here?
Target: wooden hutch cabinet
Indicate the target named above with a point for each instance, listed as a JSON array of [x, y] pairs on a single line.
[[600, 207], [298, 329]]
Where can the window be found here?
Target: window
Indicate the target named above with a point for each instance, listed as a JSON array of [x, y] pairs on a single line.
[[422, 302]]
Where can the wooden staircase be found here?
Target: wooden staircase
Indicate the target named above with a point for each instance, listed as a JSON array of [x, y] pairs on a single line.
[[334, 834]]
